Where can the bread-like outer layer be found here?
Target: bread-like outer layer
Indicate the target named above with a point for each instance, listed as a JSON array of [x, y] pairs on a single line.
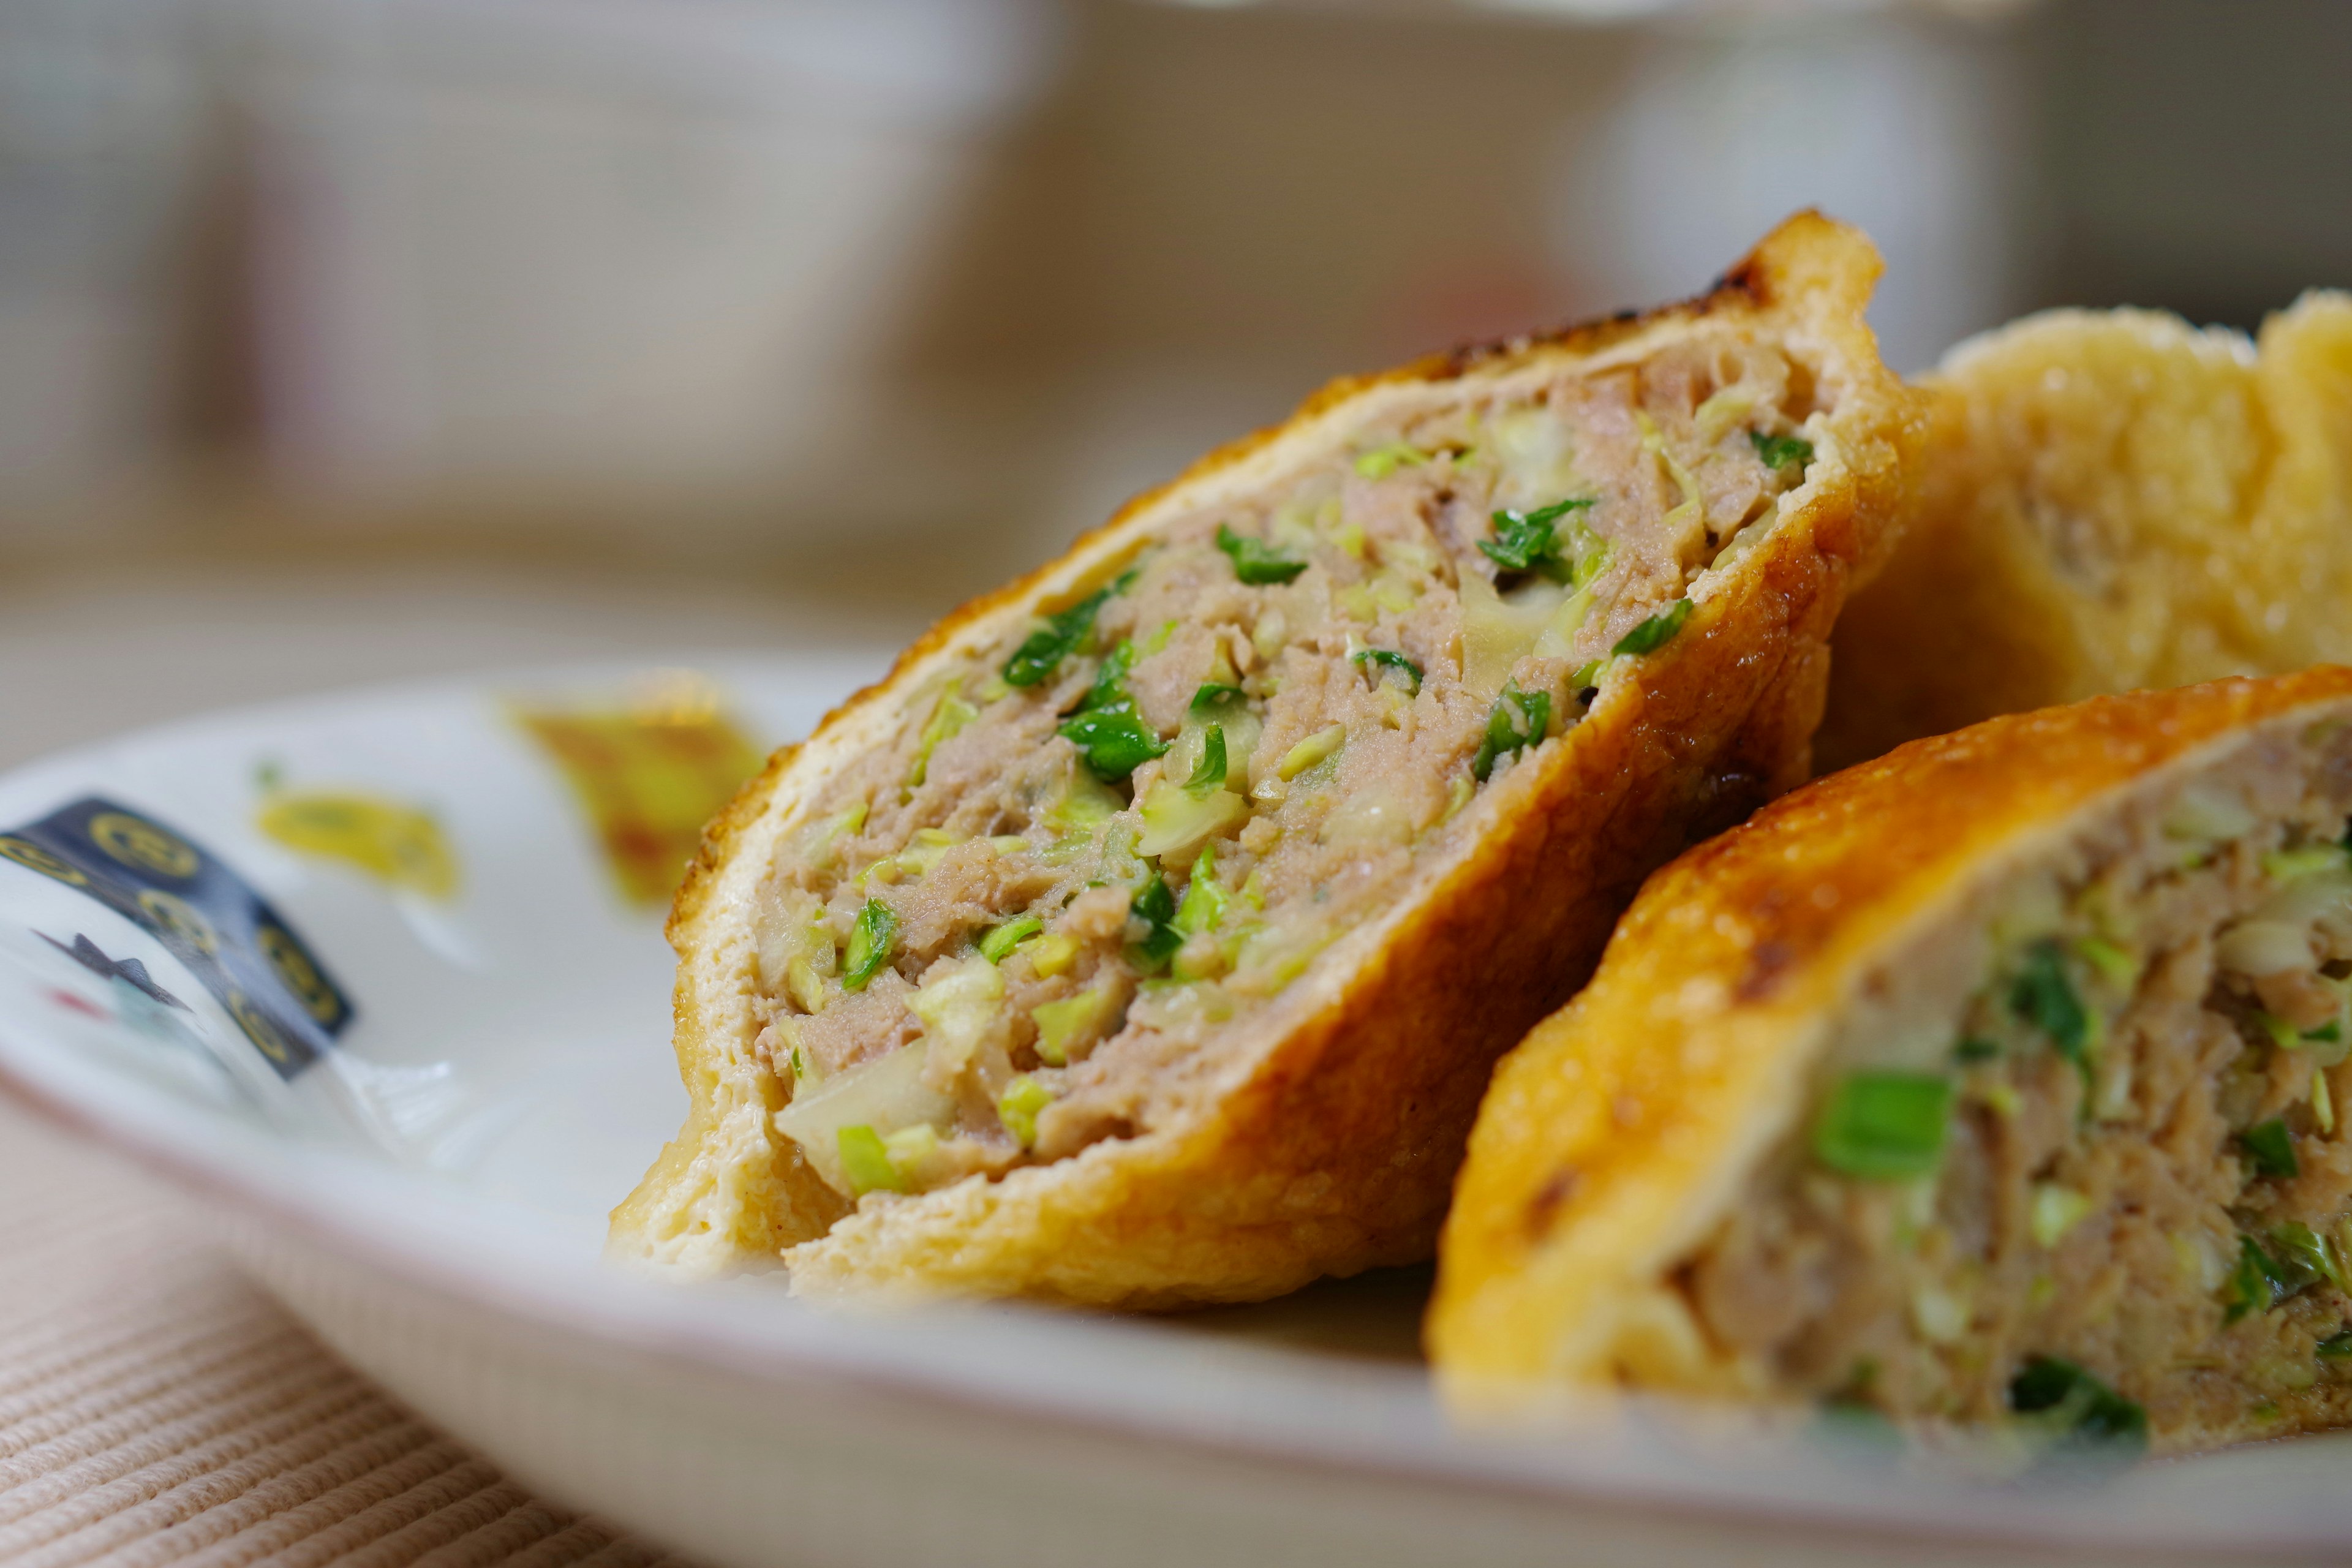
[[1333, 1140], [1629, 1124], [2107, 500]]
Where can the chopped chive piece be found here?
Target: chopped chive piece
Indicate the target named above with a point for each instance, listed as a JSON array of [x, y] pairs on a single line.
[[2308, 1256], [1109, 689], [2043, 997], [1155, 906], [2331, 1032], [1213, 695], [1209, 772], [2337, 1346], [2261, 1281], [1529, 541], [2108, 959], [998, 944], [1517, 719], [870, 941], [1254, 562], [1115, 741], [1376, 659], [1311, 751], [1975, 1048], [1657, 632], [1050, 644], [948, 720], [2270, 1147], [1884, 1125], [1782, 451], [2084, 1410], [1018, 1106], [1382, 461], [1106, 728], [866, 1159], [1203, 908]]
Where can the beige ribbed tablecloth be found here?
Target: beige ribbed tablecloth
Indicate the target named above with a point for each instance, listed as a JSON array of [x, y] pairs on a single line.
[[156, 1407]]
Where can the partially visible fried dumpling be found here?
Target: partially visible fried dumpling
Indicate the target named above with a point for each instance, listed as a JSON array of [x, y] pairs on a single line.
[[2110, 500], [2003, 1078], [1148, 936]]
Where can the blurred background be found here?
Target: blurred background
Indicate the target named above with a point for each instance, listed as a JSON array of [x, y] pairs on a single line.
[[348, 338]]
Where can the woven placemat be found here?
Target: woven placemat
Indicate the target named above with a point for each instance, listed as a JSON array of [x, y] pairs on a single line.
[[156, 1407]]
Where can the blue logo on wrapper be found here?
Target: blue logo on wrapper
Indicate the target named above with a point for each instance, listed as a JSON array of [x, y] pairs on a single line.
[[203, 913]]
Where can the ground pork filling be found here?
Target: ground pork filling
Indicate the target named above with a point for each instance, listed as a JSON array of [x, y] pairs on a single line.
[[1094, 850], [2077, 1162]]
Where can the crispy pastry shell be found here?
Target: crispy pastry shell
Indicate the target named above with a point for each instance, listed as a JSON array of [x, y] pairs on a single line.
[[1330, 1144], [1632, 1122], [2110, 500]]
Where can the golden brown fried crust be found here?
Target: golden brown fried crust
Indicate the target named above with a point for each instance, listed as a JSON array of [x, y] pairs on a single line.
[[1333, 1145], [2110, 500], [1620, 1133]]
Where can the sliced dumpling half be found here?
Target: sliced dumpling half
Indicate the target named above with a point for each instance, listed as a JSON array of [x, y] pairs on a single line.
[[2110, 500], [1148, 935], [2001, 1079]]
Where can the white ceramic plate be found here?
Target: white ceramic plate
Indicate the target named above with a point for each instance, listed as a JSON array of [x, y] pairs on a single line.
[[362, 970]]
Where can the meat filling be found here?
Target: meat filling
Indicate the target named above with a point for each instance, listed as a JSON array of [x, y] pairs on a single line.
[[2081, 1147], [1093, 851]]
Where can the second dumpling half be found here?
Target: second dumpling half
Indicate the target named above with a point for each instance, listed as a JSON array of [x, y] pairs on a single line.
[[1148, 936], [1997, 1083]]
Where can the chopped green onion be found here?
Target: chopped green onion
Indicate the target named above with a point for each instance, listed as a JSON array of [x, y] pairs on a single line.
[[2270, 1147], [1209, 772], [1382, 461], [2309, 1255], [998, 944], [1203, 909], [2337, 1346], [870, 941], [1155, 906], [1107, 729], [2261, 1280], [1115, 741], [2043, 997], [2055, 1210], [1311, 751], [1782, 452], [1587, 676], [1061, 1024], [1018, 1106], [1254, 562], [2108, 959], [1046, 646], [947, 719], [1884, 1125], [1517, 719], [1528, 542], [2081, 1409], [1657, 632], [1376, 659], [1109, 689], [1976, 1048], [1213, 695], [866, 1160], [2331, 1032], [2305, 860]]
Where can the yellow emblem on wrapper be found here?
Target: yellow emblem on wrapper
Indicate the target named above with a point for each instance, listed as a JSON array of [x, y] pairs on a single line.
[[649, 774], [399, 845]]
